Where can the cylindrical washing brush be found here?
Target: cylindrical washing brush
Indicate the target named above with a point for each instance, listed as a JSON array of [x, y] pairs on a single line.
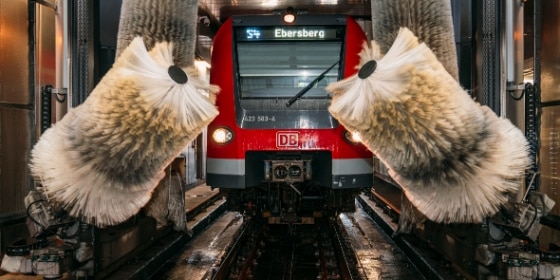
[[102, 161], [431, 21], [172, 21], [455, 160]]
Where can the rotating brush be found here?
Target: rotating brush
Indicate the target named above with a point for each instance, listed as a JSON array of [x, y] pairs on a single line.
[[173, 21], [431, 21], [102, 161], [455, 159]]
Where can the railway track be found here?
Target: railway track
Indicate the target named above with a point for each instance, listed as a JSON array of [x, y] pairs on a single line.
[[287, 252], [356, 245], [348, 246]]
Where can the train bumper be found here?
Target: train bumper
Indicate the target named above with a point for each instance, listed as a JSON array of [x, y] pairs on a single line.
[[331, 173]]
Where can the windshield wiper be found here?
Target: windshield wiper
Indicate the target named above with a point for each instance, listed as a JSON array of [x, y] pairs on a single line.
[[309, 86]]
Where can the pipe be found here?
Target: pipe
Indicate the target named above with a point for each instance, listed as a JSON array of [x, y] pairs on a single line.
[[512, 48], [511, 83], [61, 53]]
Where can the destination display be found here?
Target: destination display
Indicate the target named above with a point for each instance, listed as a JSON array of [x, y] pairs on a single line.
[[290, 33]]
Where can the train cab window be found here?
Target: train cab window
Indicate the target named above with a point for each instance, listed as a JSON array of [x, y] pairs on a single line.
[[275, 70], [280, 69]]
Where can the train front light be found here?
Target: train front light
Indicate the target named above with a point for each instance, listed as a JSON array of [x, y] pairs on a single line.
[[222, 135], [353, 137]]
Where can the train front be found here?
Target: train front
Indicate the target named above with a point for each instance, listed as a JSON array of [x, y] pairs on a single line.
[[274, 149]]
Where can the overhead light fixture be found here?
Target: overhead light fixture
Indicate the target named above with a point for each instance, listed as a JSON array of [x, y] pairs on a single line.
[[289, 16], [269, 3]]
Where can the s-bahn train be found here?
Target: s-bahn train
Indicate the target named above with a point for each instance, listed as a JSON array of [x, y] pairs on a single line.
[[274, 148]]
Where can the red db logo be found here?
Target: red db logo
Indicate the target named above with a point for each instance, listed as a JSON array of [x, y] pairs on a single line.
[[287, 139]]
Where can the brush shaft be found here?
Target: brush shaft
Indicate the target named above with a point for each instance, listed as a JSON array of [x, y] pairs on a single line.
[[430, 20], [160, 21]]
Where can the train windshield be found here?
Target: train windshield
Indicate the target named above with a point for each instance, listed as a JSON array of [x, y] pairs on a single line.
[[281, 68]]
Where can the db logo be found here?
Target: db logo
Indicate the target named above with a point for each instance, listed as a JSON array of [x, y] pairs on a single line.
[[287, 139]]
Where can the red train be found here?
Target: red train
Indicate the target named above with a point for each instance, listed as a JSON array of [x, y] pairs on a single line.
[[274, 148]]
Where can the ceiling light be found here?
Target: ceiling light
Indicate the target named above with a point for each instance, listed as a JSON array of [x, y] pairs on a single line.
[[289, 16]]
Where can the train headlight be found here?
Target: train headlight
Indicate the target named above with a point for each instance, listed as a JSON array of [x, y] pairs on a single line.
[[222, 135], [353, 137]]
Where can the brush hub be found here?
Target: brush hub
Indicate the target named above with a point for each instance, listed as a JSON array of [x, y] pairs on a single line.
[[367, 69], [177, 74]]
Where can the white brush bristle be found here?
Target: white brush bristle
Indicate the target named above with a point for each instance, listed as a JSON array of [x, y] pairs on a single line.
[[102, 161], [455, 160]]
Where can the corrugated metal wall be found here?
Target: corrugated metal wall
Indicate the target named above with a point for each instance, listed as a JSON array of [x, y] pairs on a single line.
[[16, 105], [550, 126], [26, 63]]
